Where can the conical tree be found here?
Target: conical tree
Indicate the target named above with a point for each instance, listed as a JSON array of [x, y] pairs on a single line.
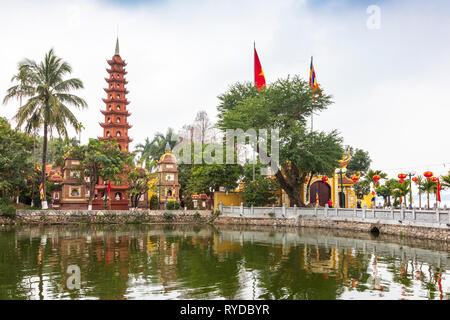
[[49, 96]]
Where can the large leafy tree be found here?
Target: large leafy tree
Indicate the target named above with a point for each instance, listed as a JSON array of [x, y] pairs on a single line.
[[137, 180], [100, 159], [261, 190], [48, 92], [286, 105], [360, 161], [15, 160]]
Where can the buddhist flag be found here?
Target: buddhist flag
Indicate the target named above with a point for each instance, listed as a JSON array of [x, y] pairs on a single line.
[[312, 76], [41, 191], [317, 196], [260, 79]]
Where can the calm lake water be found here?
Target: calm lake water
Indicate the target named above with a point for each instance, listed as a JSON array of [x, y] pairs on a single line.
[[205, 262]]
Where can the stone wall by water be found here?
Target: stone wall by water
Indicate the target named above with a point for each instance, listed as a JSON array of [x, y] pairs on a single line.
[[383, 228], [107, 216], [48, 217]]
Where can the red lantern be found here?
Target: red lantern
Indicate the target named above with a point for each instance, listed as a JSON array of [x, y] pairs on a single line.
[[376, 178], [434, 179], [415, 179], [401, 181], [428, 174], [325, 179], [354, 178], [402, 176]]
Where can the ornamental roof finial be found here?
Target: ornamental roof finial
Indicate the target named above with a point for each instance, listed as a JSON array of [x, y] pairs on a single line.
[[117, 47]]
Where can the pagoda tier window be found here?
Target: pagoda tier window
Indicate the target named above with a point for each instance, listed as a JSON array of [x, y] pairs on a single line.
[[118, 96], [118, 120], [118, 196], [109, 120], [118, 108], [109, 107], [118, 133], [108, 133]]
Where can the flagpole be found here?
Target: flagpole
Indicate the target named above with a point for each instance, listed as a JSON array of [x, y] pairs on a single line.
[[312, 113], [254, 73]]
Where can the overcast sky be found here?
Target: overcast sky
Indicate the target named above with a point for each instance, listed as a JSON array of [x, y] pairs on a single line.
[[389, 84]]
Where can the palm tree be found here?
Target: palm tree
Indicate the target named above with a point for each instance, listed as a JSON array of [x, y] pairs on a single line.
[[401, 190], [160, 141], [428, 186], [419, 183], [445, 181], [369, 175], [145, 150], [48, 96]]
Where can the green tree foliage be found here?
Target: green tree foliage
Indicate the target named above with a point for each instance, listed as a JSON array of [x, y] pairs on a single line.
[[260, 192], [360, 161], [445, 180], [100, 159], [401, 190], [151, 151], [154, 203], [285, 104], [173, 205], [137, 179], [15, 160], [428, 186], [49, 96]]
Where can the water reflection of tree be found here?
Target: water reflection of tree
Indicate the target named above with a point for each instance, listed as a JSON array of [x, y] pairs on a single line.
[[208, 274], [12, 266]]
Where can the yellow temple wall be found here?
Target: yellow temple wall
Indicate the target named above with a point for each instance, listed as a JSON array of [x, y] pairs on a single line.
[[228, 199]]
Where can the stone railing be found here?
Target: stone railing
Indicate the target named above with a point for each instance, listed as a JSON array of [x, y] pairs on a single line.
[[421, 218]]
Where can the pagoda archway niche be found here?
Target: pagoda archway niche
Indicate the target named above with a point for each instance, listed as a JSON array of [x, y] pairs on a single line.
[[323, 190]]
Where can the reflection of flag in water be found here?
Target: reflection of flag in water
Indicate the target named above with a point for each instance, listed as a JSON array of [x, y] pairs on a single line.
[[317, 196]]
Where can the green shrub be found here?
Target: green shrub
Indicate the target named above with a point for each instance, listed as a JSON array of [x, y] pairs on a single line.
[[169, 216], [271, 214], [7, 210], [173, 205], [154, 205], [217, 213], [4, 201], [197, 215]]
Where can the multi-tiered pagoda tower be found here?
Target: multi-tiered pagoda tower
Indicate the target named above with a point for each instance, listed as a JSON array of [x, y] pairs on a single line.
[[116, 114], [115, 126]]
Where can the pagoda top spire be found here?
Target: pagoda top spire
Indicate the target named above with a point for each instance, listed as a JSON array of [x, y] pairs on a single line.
[[117, 47]]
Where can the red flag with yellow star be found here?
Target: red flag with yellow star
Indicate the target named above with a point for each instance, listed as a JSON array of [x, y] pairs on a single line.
[[260, 80]]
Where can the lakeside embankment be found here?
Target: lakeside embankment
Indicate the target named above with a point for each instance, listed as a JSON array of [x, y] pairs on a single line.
[[401, 225]]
